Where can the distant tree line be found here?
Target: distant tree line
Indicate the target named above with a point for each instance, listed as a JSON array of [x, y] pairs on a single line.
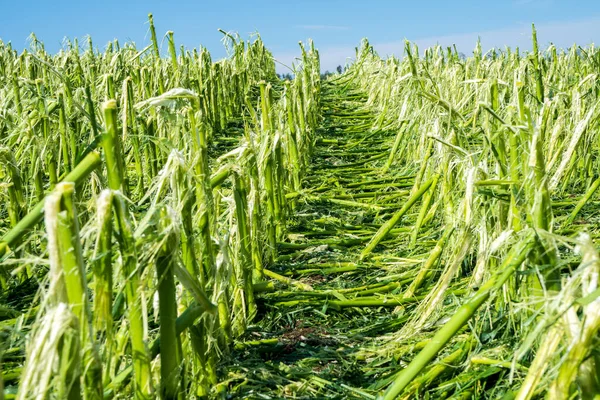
[[285, 77], [339, 70]]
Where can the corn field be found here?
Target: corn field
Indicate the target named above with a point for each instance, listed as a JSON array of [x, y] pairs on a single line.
[[177, 227]]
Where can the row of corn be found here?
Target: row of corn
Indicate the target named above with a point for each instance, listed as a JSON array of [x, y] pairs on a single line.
[[503, 147], [161, 186]]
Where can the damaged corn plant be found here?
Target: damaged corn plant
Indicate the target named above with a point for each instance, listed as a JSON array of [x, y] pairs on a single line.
[[175, 227], [146, 196]]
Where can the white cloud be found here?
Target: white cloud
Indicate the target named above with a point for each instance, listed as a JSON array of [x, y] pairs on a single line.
[[562, 34]]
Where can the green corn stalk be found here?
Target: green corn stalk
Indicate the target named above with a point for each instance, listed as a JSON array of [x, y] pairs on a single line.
[[150, 151], [425, 208], [291, 139], [170, 347], [67, 259], [110, 87], [582, 202], [241, 204], [17, 93], [221, 98], [55, 343], [255, 212], [91, 112], [189, 244], [272, 206], [155, 49], [425, 270], [38, 178], [429, 377], [103, 277], [539, 84], [541, 214], [185, 321], [68, 143], [129, 117], [278, 186], [222, 294], [172, 51], [16, 208], [387, 227], [513, 260], [83, 169], [112, 154], [514, 142], [204, 198], [399, 136]]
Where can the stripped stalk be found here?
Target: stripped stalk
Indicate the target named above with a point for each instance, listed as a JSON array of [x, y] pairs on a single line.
[[141, 360], [67, 260], [387, 227], [513, 260], [170, 347], [103, 276]]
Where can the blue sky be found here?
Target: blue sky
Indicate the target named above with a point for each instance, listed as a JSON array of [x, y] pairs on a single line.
[[336, 26]]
